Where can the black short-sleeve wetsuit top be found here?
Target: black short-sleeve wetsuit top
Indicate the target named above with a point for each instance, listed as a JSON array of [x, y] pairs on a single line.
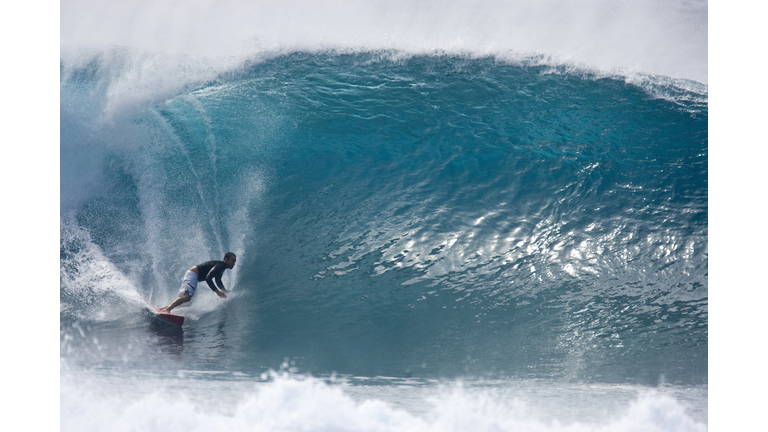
[[209, 270]]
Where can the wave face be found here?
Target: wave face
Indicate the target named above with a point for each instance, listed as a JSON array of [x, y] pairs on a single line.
[[393, 215]]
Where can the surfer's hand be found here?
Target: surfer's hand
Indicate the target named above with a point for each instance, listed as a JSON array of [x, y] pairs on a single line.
[[221, 294]]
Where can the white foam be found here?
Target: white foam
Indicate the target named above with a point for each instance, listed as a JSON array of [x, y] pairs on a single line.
[[305, 404]]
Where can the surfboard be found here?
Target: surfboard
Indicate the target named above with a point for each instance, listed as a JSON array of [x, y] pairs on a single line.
[[165, 316]]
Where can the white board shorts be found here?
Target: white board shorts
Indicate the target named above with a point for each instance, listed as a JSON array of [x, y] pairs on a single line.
[[189, 284]]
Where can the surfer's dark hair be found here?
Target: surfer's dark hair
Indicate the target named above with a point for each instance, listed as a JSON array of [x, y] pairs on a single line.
[[229, 254]]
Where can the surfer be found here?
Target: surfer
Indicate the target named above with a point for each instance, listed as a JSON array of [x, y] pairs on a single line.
[[210, 272]]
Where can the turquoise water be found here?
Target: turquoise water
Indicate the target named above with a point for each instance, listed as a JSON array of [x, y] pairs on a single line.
[[457, 240]]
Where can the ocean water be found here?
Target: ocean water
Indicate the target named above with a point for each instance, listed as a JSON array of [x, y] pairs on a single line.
[[428, 237]]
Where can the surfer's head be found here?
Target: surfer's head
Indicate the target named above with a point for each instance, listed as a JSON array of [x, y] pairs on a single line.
[[230, 259]]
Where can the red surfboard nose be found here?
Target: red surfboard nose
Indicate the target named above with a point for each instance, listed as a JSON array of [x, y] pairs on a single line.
[[166, 317]]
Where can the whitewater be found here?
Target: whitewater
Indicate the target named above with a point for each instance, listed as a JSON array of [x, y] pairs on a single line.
[[482, 216]]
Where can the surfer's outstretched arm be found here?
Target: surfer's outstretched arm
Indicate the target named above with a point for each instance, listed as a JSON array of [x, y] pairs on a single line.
[[220, 291]]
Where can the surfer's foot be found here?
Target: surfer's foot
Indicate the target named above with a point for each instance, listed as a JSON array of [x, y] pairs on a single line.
[[164, 309]]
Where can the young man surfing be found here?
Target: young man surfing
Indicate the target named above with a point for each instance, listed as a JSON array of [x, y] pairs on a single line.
[[210, 272]]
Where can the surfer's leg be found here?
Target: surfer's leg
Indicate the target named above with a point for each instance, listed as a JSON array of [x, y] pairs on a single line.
[[186, 291], [177, 302]]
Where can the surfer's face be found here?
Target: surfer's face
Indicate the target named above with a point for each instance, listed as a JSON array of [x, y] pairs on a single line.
[[230, 262]]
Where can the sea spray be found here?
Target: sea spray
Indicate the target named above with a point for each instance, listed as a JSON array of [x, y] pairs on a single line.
[[650, 36]]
